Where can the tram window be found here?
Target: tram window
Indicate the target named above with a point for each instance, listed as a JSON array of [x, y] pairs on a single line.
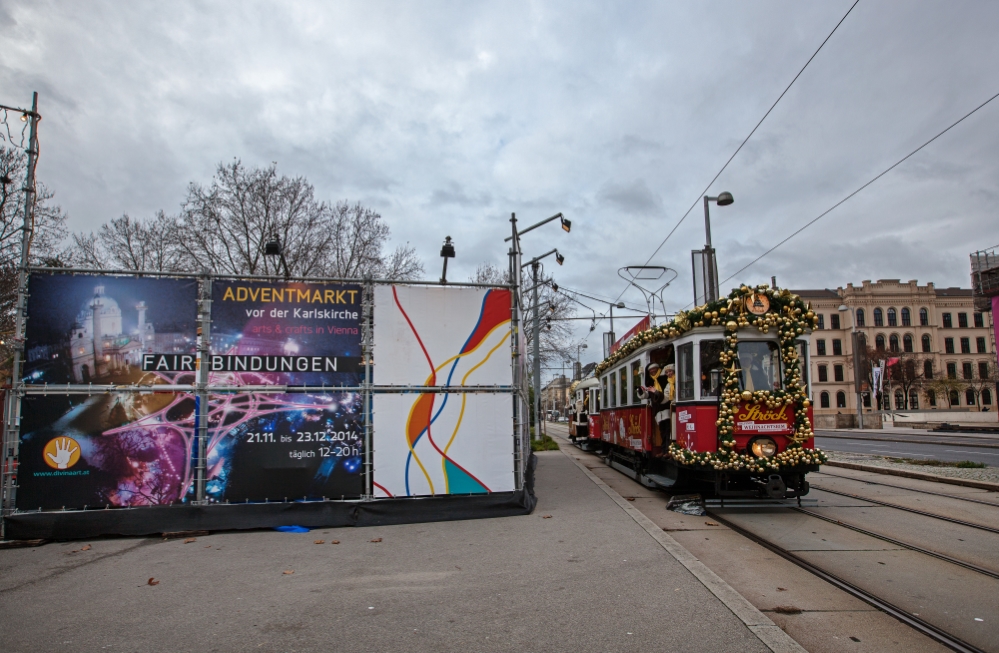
[[605, 401], [623, 374], [711, 368], [613, 390], [636, 381], [803, 363], [760, 365], [685, 372]]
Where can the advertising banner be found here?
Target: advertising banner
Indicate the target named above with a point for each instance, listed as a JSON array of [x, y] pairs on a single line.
[[442, 336], [285, 333], [104, 329], [112, 449], [273, 447], [433, 444]]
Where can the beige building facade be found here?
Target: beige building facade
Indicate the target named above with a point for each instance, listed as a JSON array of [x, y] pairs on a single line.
[[937, 328]]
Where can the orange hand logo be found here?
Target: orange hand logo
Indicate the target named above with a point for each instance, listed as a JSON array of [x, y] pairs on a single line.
[[62, 452]]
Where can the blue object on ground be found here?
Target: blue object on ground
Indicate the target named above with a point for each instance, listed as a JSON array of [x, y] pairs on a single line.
[[292, 529]]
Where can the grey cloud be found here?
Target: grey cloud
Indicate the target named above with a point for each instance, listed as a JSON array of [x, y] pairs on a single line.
[[634, 197]]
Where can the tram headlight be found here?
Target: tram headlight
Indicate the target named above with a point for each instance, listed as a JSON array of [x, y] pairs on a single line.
[[763, 448]]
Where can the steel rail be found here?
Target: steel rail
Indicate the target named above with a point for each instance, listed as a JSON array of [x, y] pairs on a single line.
[[902, 487], [905, 545], [912, 510], [933, 632]]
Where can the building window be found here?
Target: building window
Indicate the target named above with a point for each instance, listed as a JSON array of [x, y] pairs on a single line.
[[947, 322], [932, 396], [927, 369], [837, 347], [834, 321], [969, 397], [893, 342], [867, 399], [983, 369], [907, 342], [926, 343], [838, 373], [966, 371], [924, 317], [822, 321], [892, 317], [824, 400], [906, 317], [980, 345], [879, 317], [949, 345], [823, 374], [962, 320], [979, 321], [986, 397], [913, 400], [860, 317], [820, 347], [965, 345], [840, 400], [879, 342], [954, 398], [951, 370]]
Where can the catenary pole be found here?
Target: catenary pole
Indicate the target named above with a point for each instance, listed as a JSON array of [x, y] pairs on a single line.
[[536, 331]]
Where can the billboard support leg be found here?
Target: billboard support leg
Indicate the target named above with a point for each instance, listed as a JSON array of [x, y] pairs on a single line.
[[367, 351], [204, 341], [519, 457]]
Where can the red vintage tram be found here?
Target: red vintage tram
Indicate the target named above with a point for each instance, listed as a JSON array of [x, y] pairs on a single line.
[[737, 415]]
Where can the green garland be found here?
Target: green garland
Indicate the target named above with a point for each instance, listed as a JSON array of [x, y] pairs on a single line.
[[791, 317]]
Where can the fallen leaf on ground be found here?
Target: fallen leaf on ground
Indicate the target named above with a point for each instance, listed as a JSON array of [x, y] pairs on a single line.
[[376, 540], [209, 546], [152, 581], [85, 548], [546, 516], [190, 539], [288, 572], [631, 498], [710, 523], [781, 589], [320, 542], [334, 541], [787, 609]]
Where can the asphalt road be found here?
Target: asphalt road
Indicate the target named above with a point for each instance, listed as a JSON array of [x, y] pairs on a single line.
[[916, 450]]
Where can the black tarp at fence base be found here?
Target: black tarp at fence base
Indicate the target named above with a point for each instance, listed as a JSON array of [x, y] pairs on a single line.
[[78, 524]]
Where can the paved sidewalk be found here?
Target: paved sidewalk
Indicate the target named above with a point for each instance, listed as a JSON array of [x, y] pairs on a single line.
[[589, 578]]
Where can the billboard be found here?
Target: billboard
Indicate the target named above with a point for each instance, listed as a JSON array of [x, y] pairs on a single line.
[[272, 447], [442, 336], [442, 443], [110, 449], [103, 329], [285, 333]]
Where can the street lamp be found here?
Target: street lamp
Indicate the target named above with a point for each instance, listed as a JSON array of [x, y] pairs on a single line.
[[710, 265], [273, 248], [447, 251], [856, 339]]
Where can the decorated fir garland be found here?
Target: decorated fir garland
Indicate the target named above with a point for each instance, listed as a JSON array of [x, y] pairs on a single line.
[[781, 310]]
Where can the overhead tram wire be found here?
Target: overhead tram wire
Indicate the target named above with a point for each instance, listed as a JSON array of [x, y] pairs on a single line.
[[879, 176], [745, 140]]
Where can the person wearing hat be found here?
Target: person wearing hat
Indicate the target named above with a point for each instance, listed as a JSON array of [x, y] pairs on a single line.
[[660, 391]]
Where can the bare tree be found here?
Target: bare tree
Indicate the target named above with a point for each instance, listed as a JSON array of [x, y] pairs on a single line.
[[129, 244], [947, 386], [987, 378], [904, 372]]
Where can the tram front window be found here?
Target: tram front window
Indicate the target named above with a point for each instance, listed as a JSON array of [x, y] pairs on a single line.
[[711, 368], [760, 365]]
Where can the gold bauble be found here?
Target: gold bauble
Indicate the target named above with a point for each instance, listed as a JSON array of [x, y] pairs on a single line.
[[731, 325], [747, 395]]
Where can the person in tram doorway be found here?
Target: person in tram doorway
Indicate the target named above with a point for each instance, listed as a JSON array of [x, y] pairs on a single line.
[[660, 391]]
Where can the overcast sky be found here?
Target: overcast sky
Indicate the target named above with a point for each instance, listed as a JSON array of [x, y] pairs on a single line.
[[448, 116]]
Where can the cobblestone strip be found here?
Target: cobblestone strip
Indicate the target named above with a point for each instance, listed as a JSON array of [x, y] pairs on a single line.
[[766, 630]]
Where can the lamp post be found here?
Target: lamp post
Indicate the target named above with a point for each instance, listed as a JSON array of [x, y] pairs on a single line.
[[447, 251], [535, 264], [609, 337], [711, 265], [515, 254], [273, 248], [856, 339], [579, 361]]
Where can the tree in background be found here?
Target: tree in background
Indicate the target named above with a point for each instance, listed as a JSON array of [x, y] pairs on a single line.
[[223, 227]]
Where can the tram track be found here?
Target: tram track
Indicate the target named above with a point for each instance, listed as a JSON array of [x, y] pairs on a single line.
[[911, 489], [928, 629], [923, 513]]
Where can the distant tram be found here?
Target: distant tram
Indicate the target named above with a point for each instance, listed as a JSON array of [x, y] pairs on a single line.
[[718, 397]]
